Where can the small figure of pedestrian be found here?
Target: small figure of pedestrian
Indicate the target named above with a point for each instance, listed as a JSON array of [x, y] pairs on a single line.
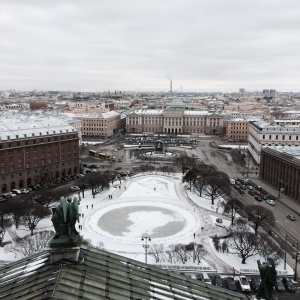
[[92, 205], [194, 235], [87, 206], [83, 215], [154, 189], [119, 186], [202, 228]]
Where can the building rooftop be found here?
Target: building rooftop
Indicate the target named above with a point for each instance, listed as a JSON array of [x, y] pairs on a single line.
[[31, 126], [99, 274], [267, 127]]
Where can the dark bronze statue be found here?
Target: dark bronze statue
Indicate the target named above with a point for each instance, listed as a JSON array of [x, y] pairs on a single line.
[[65, 216], [268, 276]]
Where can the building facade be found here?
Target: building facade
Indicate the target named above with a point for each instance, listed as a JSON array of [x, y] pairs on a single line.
[[280, 166], [237, 130], [263, 134], [34, 151], [175, 121], [101, 124]]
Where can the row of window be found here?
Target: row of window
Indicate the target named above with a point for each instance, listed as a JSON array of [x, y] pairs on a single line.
[[283, 137]]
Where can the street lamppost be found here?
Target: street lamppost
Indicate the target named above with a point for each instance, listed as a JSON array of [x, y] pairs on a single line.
[[279, 190], [285, 252], [146, 246], [296, 260]]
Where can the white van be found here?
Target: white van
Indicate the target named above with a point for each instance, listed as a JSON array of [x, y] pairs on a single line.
[[205, 278]]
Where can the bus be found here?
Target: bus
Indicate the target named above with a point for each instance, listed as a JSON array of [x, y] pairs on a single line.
[[103, 155], [93, 153]]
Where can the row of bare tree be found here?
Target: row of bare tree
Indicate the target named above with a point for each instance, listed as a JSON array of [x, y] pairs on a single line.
[[177, 253]]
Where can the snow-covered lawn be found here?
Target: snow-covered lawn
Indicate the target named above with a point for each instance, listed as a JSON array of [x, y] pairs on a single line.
[[156, 205]]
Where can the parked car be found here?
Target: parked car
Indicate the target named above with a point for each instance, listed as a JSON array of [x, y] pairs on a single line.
[[279, 285], [258, 198], [75, 188], [24, 191], [241, 191], [252, 193], [230, 283], [205, 278], [288, 284], [264, 197], [244, 284], [17, 192], [217, 280], [258, 188], [11, 194], [271, 197], [2, 198], [291, 217], [271, 202], [255, 282], [219, 220], [257, 193], [250, 187]]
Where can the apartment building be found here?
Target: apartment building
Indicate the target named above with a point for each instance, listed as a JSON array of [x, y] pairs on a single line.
[[174, 121], [263, 134], [36, 150]]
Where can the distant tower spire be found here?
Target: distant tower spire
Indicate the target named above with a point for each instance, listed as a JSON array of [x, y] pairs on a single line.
[[171, 87]]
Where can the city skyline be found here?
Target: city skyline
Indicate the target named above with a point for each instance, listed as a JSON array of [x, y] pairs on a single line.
[[143, 45]]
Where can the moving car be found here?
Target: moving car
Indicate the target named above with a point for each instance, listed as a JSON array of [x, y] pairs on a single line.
[[255, 282], [219, 220], [244, 284], [230, 283], [217, 280], [288, 284], [291, 217], [279, 285], [271, 202]]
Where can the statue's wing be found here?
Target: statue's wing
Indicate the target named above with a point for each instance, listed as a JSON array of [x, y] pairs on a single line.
[[64, 204], [76, 208]]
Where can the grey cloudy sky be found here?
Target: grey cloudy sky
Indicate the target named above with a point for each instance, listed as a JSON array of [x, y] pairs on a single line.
[[203, 45]]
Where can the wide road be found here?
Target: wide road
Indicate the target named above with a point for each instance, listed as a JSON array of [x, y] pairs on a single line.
[[236, 169]]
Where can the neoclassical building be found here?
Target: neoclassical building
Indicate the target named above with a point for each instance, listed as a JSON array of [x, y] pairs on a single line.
[[263, 134], [174, 121], [280, 166]]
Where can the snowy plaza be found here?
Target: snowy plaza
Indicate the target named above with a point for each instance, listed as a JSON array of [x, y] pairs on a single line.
[[159, 206]]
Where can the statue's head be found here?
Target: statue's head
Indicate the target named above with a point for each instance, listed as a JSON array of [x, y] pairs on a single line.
[[69, 199]]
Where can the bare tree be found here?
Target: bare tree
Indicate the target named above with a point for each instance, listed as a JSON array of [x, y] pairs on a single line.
[[181, 253], [16, 208], [183, 162], [98, 182], [243, 242], [5, 221], [233, 205], [156, 251], [33, 214], [260, 216], [170, 253], [191, 176], [216, 187], [147, 168], [268, 247], [31, 244], [197, 251]]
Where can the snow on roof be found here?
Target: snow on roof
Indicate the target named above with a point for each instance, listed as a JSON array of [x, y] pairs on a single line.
[[32, 126], [196, 112], [148, 112], [98, 115]]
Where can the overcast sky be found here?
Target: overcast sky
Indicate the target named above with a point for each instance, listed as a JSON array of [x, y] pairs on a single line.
[[100, 45]]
